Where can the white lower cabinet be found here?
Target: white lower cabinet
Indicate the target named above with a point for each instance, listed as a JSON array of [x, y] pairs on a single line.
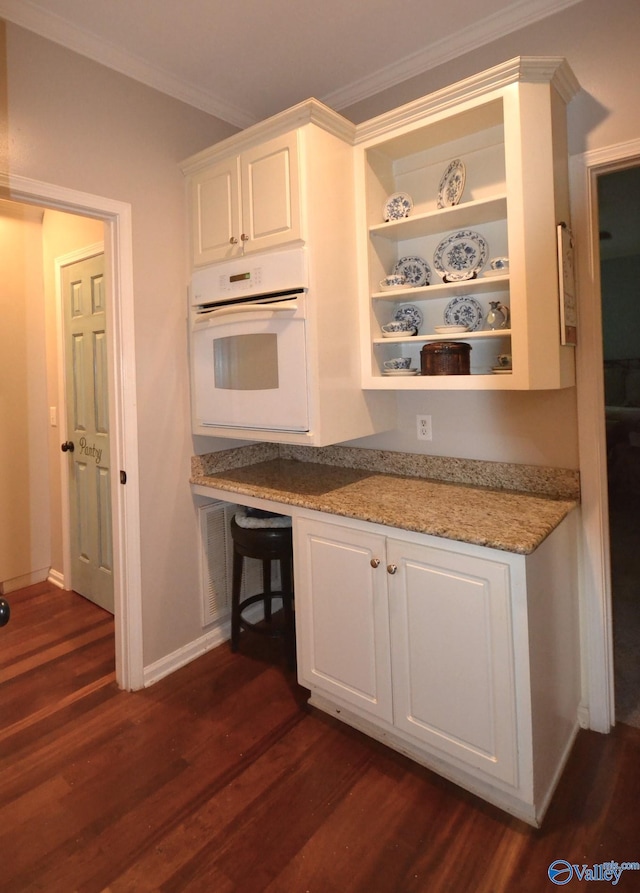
[[423, 643], [452, 655], [341, 606]]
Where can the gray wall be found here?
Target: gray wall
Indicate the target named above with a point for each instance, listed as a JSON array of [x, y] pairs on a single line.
[[76, 124]]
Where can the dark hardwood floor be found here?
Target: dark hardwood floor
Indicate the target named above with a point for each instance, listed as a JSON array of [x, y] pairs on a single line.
[[220, 779]]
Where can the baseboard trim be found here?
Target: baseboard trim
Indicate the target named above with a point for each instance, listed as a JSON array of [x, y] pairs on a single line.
[[584, 719], [23, 580], [215, 636], [56, 578], [562, 762], [183, 656]]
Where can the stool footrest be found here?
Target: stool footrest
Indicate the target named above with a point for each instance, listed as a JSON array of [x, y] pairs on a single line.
[[276, 633]]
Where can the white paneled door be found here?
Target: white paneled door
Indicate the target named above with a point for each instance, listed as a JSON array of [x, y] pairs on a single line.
[[87, 444]]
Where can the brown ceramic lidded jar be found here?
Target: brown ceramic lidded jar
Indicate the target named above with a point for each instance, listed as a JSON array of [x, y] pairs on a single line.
[[445, 358]]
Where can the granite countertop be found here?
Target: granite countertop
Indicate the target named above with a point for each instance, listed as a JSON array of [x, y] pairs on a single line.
[[509, 520]]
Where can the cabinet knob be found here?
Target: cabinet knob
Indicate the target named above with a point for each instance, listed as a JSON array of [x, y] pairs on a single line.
[[244, 237], [233, 241], [375, 562], [392, 568]]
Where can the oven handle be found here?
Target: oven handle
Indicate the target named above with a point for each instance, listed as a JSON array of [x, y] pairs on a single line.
[[234, 309]]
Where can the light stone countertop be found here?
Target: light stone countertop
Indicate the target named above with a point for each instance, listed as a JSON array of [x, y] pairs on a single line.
[[512, 521]]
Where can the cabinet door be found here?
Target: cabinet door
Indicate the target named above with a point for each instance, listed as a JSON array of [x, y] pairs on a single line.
[[215, 213], [452, 656], [342, 615], [271, 193]]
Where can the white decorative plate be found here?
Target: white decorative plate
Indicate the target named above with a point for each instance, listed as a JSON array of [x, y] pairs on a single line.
[[409, 313], [400, 372], [397, 206], [450, 330], [399, 335], [452, 184], [464, 311], [415, 270], [464, 250]]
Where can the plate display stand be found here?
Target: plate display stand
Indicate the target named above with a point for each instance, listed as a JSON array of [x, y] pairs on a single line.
[[488, 123]]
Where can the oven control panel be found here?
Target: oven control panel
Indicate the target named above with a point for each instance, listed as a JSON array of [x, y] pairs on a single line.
[[259, 274], [247, 280]]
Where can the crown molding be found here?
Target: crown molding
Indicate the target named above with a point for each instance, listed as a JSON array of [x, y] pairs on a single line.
[[311, 111], [517, 16], [528, 69], [54, 28]]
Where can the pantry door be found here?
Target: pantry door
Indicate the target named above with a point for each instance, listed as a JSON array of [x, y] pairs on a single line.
[[87, 417]]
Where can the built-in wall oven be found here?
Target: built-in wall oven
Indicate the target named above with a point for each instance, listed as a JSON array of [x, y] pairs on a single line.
[[248, 343]]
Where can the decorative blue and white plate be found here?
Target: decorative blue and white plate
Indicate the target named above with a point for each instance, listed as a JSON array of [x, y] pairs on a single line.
[[397, 206], [415, 270], [452, 184], [464, 311], [411, 314], [464, 250]]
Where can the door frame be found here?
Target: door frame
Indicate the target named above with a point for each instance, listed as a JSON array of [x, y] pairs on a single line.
[[595, 564], [123, 420]]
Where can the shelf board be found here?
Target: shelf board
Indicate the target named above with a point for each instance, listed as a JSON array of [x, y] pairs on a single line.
[[460, 216], [474, 382], [482, 285], [463, 336]]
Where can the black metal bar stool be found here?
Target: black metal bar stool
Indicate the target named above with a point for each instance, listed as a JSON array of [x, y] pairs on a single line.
[[267, 538]]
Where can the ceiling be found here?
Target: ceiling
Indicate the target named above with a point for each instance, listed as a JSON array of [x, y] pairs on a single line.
[[243, 62]]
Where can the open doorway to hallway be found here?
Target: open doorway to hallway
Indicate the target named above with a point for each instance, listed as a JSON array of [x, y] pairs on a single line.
[[116, 219], [619, 224], [32, 533]]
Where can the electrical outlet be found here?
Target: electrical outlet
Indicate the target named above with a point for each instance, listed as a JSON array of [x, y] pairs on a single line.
[[424, 427]]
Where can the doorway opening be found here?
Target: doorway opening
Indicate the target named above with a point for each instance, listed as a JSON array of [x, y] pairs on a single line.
[[598, 698], [116, 219], [619, 238]]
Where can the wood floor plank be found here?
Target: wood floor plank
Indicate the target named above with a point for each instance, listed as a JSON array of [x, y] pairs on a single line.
[[219, 778], [52, 707]]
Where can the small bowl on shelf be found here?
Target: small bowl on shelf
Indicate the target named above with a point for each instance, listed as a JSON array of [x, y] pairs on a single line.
[[395, 280], [398, 328], [459, 275], [397, 363]]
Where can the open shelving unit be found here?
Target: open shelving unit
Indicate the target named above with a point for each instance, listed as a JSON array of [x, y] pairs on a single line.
[[515, 195]]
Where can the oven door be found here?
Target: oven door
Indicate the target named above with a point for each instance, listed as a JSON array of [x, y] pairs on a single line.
[[249, 366]]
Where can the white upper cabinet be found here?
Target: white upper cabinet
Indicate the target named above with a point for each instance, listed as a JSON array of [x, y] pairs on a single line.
[[506, 128], [282, 183], [270, 180], [246, 202], [293, 179]]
